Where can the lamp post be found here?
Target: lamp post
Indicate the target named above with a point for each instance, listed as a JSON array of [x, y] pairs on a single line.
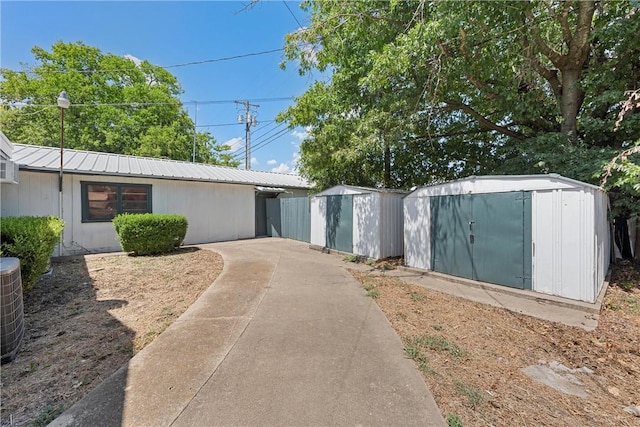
[[63, 103]]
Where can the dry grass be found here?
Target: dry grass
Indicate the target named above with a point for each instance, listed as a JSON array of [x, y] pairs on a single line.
[[89, 318], [471, 355]]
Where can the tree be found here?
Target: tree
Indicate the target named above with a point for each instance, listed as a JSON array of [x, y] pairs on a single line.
[[450, 89], [118, 106]]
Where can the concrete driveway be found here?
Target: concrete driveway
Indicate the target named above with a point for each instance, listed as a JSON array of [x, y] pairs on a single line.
[[285, 336]]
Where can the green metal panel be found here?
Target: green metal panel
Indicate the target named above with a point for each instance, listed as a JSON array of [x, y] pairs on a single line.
[[296, 218], [500, 250], [484, 237], [450, 248], [340, 223], [528, 246], [274, 222], [261, 214]]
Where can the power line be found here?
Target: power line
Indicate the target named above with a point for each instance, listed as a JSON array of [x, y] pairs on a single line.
[[228, 58], [291, 12], [264, 143], [272, 139], [147, 104], [230, 124], [186, 64], [240, 150]]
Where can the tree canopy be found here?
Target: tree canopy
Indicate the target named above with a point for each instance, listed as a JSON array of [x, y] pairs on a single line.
[[426, 91], [118, 105]]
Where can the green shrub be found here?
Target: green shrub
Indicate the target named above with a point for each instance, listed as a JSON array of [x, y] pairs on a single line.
[[148, 234], [32, 240]]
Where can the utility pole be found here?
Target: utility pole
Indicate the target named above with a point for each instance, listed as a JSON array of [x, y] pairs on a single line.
[[249, 120]]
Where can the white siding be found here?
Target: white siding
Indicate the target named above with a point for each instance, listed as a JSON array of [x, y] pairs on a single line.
[[318, 221], [563, 235], [367, 225], [417, 226], [602, 243], [36, 195]]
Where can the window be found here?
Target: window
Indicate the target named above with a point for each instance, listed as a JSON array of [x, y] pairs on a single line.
[[101, 201]]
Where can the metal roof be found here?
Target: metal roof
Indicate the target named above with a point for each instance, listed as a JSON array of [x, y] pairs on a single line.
[[501, 183], [33, 157], [353, 189]]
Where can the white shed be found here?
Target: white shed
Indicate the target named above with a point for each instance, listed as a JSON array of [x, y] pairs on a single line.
[[220, 203], [544, 233], [362, 221]]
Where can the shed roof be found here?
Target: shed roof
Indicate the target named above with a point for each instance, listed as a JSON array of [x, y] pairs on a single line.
[[501, 183], [352, 189], [33, 157]]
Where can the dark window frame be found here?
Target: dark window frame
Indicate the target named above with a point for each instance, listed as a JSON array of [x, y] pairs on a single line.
[[84, 192]]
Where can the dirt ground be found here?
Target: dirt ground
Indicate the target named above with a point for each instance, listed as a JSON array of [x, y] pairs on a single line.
[[89, 318], [95, 312], [472, 355]]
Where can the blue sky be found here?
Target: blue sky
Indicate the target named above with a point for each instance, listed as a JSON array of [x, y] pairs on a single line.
[[168, 33]]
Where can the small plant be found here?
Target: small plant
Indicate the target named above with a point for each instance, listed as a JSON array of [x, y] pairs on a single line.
[[412, 350], [150, 234], [368, 285], [48, 414], [415, 296], [474, 398], [627, 285], [454, 420], [373, 293], [439, 343], [350, 258]]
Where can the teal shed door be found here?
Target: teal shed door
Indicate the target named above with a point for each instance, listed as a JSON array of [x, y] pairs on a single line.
[[484, 237], [450, 248], [340, 223]]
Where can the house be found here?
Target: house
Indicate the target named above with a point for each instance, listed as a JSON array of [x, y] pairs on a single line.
[[220, 203], [358, 220], [544, 233]]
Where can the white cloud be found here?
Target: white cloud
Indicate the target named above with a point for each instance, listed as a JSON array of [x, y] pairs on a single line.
[[282, 168], [300, 135], [134, 59], [234, 143], [254, 161], [272, 162]]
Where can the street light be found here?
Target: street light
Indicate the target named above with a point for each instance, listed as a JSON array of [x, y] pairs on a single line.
[[63, 103]]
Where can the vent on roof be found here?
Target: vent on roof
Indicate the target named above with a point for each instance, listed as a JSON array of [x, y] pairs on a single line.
[[8, 172]]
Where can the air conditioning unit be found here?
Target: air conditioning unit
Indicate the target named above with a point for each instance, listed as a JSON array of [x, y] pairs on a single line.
[[11, 308], [8, 172]]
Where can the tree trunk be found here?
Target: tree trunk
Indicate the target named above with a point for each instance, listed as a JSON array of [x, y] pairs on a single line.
[[387, 164], [572, 96]]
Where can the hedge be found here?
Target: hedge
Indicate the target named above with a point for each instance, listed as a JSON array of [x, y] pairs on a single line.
[[32, 240], [149, 234]]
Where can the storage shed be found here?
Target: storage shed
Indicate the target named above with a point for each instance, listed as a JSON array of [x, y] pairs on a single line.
[[544, 233], [362, 221]]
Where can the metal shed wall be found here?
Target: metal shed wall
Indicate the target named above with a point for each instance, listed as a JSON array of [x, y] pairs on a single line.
[[570, 238], [377, 220], [216, 212]]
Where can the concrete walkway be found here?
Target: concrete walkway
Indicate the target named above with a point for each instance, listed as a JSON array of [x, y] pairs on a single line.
[[285, 336]]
